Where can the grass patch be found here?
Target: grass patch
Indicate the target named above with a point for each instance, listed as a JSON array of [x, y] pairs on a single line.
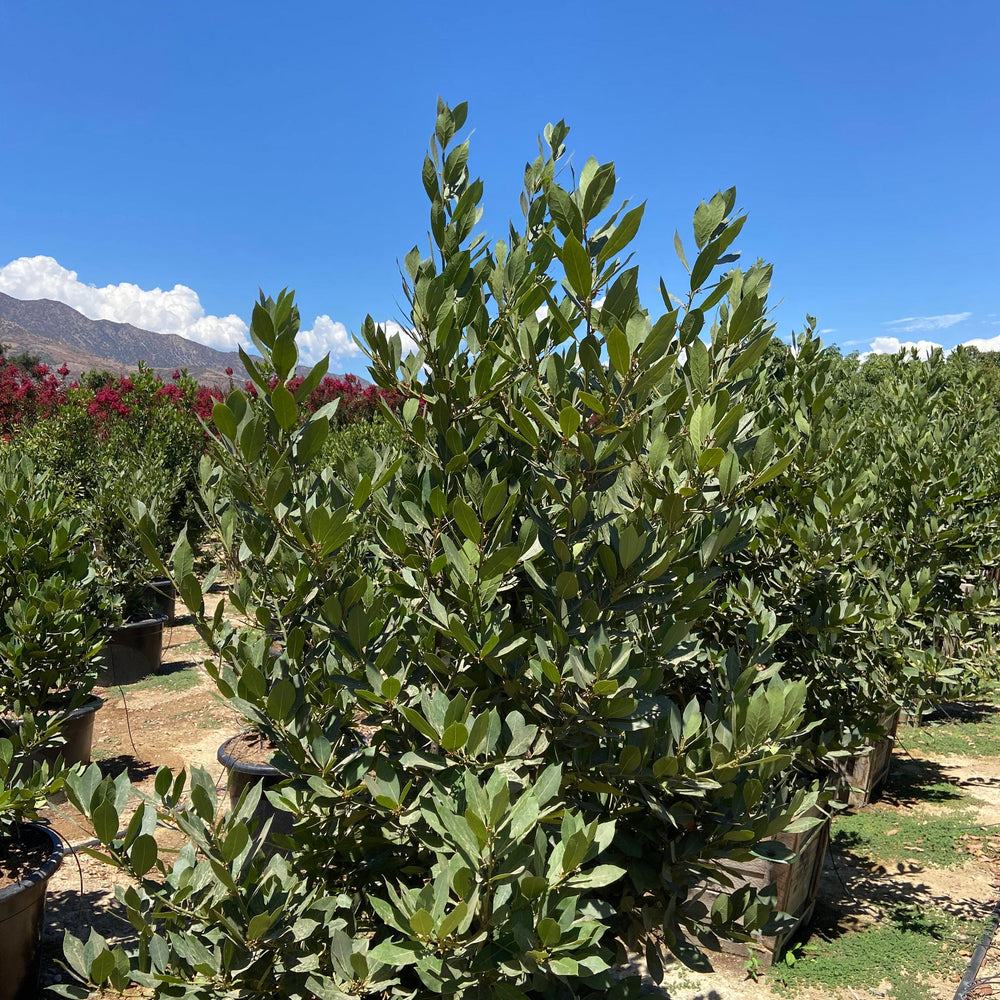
[[914, 781], [174, 677], [191, 646], [970, 729], [891, 835], [912, 943]]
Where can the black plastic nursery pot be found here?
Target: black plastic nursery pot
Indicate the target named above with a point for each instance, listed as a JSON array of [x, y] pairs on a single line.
[[133, 651], [78, 731], [22, 912], [243, 773], [160, 596]]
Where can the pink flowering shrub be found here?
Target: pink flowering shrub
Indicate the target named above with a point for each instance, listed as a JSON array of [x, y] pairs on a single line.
[[358, 402], [25, 398]]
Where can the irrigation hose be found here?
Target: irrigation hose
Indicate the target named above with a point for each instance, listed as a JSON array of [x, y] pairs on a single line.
[[976, 962]]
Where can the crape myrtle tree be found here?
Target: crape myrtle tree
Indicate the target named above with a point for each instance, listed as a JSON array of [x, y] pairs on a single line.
[[503, 751]]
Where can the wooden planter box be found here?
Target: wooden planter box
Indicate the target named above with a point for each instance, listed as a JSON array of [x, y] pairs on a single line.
[[862, 778], [797, 884]]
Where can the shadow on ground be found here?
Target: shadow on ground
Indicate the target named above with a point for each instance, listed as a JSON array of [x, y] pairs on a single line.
[[914, 780], [963, 711], [856, 892], [138, 770], [78, 912]]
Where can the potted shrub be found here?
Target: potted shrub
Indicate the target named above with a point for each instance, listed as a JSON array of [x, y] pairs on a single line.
[[49, 643], [29, 855], [501, 763], [114, 441]]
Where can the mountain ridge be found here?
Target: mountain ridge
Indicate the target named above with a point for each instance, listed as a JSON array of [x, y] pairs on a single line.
[[60, 334]]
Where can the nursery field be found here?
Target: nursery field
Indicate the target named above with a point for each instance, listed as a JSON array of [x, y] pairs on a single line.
[[569, 616], [906, 890]]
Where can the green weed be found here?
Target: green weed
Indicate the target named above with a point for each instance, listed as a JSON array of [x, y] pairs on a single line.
[[970, 730], [172, 677], [911, 944], [881, 833]]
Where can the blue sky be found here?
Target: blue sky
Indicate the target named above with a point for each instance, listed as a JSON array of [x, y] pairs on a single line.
[[159, 163]]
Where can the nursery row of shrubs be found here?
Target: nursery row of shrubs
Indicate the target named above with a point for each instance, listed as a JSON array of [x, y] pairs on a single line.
[[593, 624]]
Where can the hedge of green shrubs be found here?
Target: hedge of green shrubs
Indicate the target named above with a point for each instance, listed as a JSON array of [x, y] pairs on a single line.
[[583, 629]]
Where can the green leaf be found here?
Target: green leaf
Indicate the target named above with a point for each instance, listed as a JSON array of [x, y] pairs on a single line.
[[773, 472], [143, 853], [102, 966], [679, 250], [596, 878], [623, 235], [161, 783], [260, 924], [419, 723], [565, 212], [710, 458], [467, 520], [284, 407], [452, 921], [454, 737], [564, 966], [569, 420], [619, 352], [422, 924], [281, 700], [284, 356], [729, 473], [396, 953], [699, 365], [252, 438], [597, 194], [707, 219], [549, 932], [630, 546], [312, 437], [523, 816], [577, 266], [224, 420], [105, 819], [532, 886], [704, 266], [702, 421], [74, 953]]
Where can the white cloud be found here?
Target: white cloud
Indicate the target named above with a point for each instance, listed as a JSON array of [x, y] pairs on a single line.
[[325, 336], [178, 310], [329, 336], [893, 345], [829, 329], [992, 344], [913, 324]]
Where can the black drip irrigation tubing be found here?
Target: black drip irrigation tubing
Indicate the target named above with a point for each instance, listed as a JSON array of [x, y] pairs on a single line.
[[976, 962]]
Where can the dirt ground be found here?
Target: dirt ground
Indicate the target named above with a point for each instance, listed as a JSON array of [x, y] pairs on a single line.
[[176, 720]]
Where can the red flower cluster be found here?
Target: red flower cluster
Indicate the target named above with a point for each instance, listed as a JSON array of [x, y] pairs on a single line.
[[357, 401], [25, 398], [173, 392], [108, 402], [205, 398]]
